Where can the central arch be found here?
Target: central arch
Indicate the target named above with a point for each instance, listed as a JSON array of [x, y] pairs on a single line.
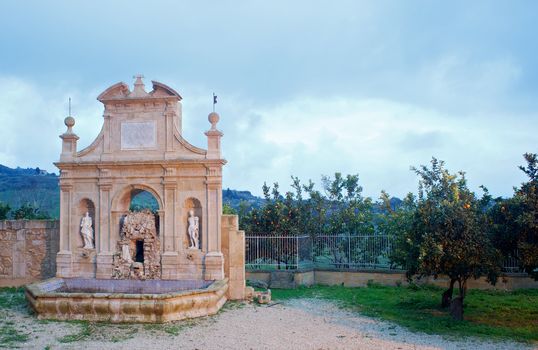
[[121, 205], [122, 198]]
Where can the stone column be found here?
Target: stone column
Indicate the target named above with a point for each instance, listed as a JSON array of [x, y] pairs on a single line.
[[64, 258], [105, 254], [214, 262], [169, 261]]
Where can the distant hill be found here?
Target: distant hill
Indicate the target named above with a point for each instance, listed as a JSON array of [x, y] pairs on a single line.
[[234, 198], [37, 187], [31, 185]]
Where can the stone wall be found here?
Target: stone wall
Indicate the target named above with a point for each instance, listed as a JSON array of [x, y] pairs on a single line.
[[27, 250], [275, 279]]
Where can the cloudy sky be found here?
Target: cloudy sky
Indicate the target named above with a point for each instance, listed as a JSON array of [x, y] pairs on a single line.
[[305, 87]]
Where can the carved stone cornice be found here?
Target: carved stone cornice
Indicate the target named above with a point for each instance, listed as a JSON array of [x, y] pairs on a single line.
[[66, 187], [104, 186]]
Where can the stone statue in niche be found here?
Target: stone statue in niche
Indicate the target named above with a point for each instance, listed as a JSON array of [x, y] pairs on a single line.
[[194, 230], [126, 253], [87, 231]]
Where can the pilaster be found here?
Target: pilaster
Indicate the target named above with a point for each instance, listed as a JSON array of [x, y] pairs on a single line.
[[169, 116], [107, 147], [170, 202]]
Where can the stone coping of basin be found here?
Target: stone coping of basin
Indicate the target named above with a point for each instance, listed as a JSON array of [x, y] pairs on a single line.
[[36, 291], [124, 307]]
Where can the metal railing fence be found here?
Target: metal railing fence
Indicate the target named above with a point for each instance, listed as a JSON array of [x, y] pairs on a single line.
[[511, 263], [269, 252], [350, 251], [273, 252]]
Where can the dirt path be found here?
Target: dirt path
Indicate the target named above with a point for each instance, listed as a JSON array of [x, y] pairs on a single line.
[[296, 324]]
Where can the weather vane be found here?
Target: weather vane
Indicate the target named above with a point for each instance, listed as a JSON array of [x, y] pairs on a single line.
[[214, 101], [69, 106]]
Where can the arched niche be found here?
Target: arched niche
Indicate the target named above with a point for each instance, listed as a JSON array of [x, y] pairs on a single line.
[[194, 204], [85, 205], [132, 198]]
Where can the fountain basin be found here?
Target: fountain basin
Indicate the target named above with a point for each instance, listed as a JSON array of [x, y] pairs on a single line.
[[117, 301]]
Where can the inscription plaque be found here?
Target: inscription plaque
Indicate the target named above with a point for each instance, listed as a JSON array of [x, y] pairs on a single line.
[[138, 135]]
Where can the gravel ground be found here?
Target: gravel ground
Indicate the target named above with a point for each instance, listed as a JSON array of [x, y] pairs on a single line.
[[295, 324]]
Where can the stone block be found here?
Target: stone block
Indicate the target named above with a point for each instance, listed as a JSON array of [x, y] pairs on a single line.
[[258, 275], [21, 235], [214, 266], [237, 273], [104, 265], [6, 266], [6, 249], [19, 269], [236, 290], [282, 279]]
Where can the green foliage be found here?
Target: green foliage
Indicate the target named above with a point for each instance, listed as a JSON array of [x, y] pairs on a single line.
[[228, 210], [350, 212], [279, 215], [144, 200], [28, 211], [447, 232], [514, 221], [397, 222], [489, 314], [340, 209], [527, 194], [504, 223], [4, 210]]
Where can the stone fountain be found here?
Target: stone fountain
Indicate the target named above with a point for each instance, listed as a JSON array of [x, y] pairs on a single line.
[[181, 258]]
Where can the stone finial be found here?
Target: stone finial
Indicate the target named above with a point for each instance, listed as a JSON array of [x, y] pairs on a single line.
[[213, 137], [139, 87], [69, 140], [69, 121], [213, 118]]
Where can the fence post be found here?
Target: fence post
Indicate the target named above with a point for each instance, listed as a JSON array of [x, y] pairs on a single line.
[[348, 250], [297, 252]]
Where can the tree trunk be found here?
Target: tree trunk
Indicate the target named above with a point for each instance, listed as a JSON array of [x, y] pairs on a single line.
[[447, 294], [456, 306]]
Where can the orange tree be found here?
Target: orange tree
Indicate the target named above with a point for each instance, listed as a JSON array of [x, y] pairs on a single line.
[[515, 220], [528, 219], [447, 234], [396, 222], [280, 217]]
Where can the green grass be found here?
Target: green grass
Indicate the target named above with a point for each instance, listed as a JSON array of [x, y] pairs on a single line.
[[11, 336], [86, 329], [488, 314], [173, 328], [12, 298]]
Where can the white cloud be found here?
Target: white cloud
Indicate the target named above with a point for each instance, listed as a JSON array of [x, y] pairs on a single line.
[[31, 118], [380, 140], [377, 138]]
